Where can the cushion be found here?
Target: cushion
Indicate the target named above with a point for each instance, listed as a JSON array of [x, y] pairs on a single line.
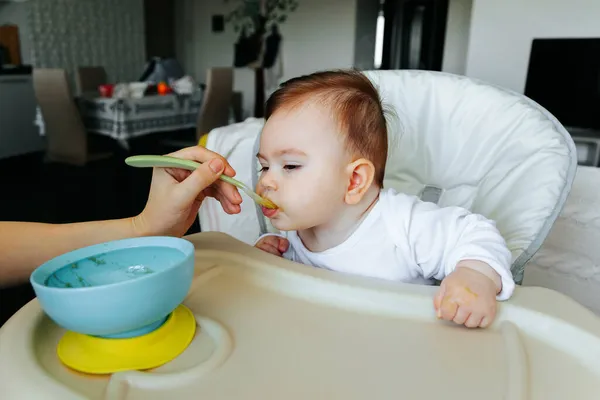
[[455, 141]]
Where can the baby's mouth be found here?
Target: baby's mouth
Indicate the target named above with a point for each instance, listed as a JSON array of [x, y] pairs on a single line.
[[270, 212], [267, 203]]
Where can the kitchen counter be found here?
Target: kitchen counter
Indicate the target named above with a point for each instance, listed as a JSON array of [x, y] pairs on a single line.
[[18, 70]]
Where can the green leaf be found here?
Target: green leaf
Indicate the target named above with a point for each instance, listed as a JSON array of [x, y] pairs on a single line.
[[282, 19]]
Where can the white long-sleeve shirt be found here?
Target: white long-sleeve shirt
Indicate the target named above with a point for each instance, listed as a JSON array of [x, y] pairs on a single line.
[[408, 240]]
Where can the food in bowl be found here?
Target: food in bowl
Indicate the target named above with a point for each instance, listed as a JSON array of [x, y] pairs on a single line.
[[116, 289], [120, 265]]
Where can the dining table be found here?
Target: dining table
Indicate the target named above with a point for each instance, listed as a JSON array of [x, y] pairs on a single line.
[[125, 118]]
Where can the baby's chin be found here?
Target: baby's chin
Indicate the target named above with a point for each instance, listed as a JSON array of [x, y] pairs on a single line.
[[284, 224], [280, 224]]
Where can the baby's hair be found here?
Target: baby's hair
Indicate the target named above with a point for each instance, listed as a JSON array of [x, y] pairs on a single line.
[[355, 103]]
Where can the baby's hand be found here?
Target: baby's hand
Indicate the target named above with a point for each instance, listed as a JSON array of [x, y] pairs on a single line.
[[273, 244], [467, 297]]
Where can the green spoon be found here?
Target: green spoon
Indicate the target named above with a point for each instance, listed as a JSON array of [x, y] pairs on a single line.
[[173, 162]]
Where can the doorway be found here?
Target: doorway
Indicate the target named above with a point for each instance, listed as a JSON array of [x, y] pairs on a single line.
[[159, 19], [414, 34]]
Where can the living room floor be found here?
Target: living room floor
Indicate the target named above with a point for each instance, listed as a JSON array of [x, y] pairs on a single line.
[[35, 191]]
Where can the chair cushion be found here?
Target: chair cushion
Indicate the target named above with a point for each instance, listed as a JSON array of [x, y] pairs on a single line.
[[455, 141], [492, 151]]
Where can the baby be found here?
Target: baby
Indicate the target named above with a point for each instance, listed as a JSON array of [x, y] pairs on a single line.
[[323, 152]]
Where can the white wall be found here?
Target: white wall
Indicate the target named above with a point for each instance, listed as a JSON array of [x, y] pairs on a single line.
[[457, 36], [318, 35], [367, 12], [502, 31]]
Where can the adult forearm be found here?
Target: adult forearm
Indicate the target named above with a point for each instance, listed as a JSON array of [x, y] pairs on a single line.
[[24, 246]]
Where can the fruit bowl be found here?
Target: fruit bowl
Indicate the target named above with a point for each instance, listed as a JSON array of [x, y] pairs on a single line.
[[118, 289]]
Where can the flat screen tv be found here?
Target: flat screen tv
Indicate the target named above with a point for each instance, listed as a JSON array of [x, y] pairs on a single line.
[[564, 77]]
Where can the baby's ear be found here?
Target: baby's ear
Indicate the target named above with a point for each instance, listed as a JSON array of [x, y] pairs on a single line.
[[361, 173]]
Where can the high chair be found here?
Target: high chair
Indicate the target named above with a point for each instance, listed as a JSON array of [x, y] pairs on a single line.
[[453, 141], [269, 328]]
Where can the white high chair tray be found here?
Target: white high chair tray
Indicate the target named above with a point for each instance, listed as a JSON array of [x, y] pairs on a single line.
[[271, 329]]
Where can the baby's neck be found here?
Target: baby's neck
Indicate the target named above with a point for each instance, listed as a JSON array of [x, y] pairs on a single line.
[[340, 228]]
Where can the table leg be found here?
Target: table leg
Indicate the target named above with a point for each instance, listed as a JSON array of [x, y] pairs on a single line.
[[124, 144]]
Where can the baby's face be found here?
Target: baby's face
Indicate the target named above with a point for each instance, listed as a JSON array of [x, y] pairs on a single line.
[[304, 167]]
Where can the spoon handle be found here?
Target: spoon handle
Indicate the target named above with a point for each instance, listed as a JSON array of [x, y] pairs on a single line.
[[149, 161], [173, 162]]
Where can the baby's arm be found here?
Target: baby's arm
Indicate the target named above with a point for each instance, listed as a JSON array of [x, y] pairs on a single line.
[[468, 254], [273, 243]]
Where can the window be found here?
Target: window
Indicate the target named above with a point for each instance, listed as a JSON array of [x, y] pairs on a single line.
[[379, 38]]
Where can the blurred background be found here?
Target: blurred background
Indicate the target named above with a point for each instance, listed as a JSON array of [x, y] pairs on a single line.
[[85, 83]]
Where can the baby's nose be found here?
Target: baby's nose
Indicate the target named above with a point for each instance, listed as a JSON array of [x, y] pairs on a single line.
[[266, 183]]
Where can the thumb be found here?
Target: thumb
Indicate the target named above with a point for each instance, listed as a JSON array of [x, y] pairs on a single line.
[[283, 245], [204, 176]]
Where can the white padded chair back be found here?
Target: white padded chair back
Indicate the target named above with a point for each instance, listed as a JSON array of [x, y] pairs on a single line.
[[461, 142], [454, 141]]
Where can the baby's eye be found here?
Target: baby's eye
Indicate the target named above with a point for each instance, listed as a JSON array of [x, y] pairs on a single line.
[[290, 167], [263, 169]]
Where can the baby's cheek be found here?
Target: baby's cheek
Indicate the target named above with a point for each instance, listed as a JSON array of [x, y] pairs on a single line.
[[314, 199], [307, 199]]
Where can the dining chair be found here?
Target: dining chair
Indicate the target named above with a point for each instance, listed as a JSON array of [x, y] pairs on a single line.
[[87, 79], [67, 140], [216, 102], [216, 105]]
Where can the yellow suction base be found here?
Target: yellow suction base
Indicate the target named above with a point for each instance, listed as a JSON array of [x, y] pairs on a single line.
[[94, 355]]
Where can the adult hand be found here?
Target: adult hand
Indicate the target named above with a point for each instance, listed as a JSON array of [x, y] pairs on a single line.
[[176, 194]]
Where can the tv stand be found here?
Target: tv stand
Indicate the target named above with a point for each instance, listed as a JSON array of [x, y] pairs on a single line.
[[587, 142]]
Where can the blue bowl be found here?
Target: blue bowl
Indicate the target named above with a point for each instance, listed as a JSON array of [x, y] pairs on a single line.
[[117, 289]]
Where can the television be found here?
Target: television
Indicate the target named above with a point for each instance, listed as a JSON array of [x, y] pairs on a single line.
[[564, 78]]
